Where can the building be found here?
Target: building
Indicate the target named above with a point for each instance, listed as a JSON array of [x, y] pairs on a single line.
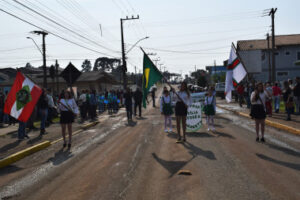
[[94, 80], [257, 57], [218, 69]]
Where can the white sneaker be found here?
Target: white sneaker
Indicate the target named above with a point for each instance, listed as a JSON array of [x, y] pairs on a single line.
[[208, 129], [166, 130], [170, 131]]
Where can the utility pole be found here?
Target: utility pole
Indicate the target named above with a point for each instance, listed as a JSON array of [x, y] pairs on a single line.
[[43, 33], [56, 76], [124, 67], [135, 75], [272, 14], [269, 57], [156, 60]]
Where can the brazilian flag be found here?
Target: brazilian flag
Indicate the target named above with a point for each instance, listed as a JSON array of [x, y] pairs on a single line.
[[150, 76]]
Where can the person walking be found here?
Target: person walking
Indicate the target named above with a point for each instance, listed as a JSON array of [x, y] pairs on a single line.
[[138, 97], [269, 90], [43, 111], [22, 131], [82, 105], [51, 107], [240, 91], [288, 100], [68, 111], [92, 105], [128, 104], [183, 100], [210, 109], [276, 96], [166, 109], [153, 96], [258, 110], [296, 92]]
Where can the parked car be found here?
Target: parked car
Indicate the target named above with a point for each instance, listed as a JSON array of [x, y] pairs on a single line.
[[220, 90]]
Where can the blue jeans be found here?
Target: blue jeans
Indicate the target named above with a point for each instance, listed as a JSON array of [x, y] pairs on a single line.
[[276, 103], [44, 115], [22, 130]]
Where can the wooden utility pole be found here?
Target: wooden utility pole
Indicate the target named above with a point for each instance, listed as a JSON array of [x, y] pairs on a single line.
[[124, 66], [56, 77], [269, 58], [272, 14]]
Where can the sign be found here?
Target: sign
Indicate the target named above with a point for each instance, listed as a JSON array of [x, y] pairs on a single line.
[[194, 116], [70, 74]]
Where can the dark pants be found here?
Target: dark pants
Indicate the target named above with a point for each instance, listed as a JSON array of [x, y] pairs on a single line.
[[92, 111], [138, 104], [129, 111], [153, 100], [22, 130], [83, 111]]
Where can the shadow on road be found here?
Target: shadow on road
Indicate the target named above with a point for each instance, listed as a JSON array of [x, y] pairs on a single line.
[[9, 146], [196, 151], [141, 118], [131, 123], [282, 163], [220, 134], [172, 166], [284, 150], [9, 169], [198, 134], [34, 140], [61, 156]]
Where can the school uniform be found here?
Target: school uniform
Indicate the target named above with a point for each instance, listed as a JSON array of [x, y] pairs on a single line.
[[182, 103], [67, 109], [167, 110], [258, 108]]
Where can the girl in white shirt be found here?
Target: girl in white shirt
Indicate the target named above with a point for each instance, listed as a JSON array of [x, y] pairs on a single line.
[[68, 111], [210, 109], [183, 100], [166, 109]]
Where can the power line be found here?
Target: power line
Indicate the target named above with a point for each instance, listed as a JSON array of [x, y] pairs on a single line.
[[54, 34], [38, 13]]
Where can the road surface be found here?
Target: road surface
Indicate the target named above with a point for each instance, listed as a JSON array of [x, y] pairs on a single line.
[[115, 160]]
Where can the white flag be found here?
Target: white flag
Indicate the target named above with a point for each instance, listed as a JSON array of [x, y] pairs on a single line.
[[235, 73]]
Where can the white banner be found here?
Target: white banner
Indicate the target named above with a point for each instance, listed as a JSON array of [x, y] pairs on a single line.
[[194, 116]]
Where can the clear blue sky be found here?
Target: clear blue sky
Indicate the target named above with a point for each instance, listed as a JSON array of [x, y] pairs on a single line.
[[184, 34]]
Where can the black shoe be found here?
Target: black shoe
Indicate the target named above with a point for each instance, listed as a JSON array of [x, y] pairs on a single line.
[[26, 136], [64, 145], [262, 140], [257, 139], [69, 146]]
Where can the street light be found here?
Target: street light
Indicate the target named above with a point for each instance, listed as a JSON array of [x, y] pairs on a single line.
[[35, 44], [136, 44]]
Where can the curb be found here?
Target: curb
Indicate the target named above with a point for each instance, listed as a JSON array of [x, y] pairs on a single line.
[[268, 122], [21, 154], [31, 150]]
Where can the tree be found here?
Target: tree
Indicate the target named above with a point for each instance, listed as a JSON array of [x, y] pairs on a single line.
[[201, 81], [106, 64], [86, 66]]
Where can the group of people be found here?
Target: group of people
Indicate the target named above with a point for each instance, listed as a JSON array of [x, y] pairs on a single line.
[[288, 92]]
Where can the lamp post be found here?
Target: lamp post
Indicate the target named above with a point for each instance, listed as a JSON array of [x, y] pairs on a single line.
[[137, 43], [35, 44]]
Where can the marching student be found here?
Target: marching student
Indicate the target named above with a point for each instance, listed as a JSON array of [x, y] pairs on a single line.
[[258, 109], [68, 111], [183, 100], [166, 109], [210, 109]]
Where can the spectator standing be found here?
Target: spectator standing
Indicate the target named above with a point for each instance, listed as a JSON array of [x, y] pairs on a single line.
[[138, 96], [297, 95], [240, 91], [43, 110], [128, 104], [153, 96], [276, 96], [288, 100], [82, 105], [269, 90], [2, 99], [166, 109], [51, 107], [93, 105]]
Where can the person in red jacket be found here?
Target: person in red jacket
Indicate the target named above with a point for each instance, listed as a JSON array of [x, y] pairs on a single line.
[[240, 90]]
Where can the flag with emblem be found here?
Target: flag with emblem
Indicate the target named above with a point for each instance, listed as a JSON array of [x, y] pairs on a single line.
[[235, 73], [22, 98], [150, 76]]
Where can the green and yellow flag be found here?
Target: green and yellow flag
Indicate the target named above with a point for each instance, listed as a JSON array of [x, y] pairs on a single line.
[[150, 76]]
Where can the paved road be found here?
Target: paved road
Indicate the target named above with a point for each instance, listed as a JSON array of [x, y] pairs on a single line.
[[115, 160]]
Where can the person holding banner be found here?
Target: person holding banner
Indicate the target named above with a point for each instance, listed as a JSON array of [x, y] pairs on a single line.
[[183, 100], [166, 109], [210, 109], [68, 111]]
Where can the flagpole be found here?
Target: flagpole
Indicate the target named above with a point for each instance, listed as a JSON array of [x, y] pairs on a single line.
[[163, 76], [238, 55]]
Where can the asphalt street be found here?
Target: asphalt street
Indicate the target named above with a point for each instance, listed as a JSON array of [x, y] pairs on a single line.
[[116, 160]]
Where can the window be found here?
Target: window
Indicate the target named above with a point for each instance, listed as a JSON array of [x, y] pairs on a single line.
[[276, 53], [282, 73], [263, 56], [298, 55], [287, 53]]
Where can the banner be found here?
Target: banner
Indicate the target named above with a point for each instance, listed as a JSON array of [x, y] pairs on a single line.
[[194, 116]]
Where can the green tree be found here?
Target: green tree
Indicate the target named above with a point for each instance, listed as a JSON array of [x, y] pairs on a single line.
[[86, 66]]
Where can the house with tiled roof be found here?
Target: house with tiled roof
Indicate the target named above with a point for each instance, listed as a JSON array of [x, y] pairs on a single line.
[[257, 57]]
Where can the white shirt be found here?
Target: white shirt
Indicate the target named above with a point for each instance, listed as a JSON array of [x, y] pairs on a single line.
[[166, 99], [184, 96], [82, 98], [210, 100], [50, 101], [263, 96], [68, 105]]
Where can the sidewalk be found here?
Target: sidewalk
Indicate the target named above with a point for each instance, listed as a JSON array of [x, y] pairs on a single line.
[[276, 117], [9, 143]]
